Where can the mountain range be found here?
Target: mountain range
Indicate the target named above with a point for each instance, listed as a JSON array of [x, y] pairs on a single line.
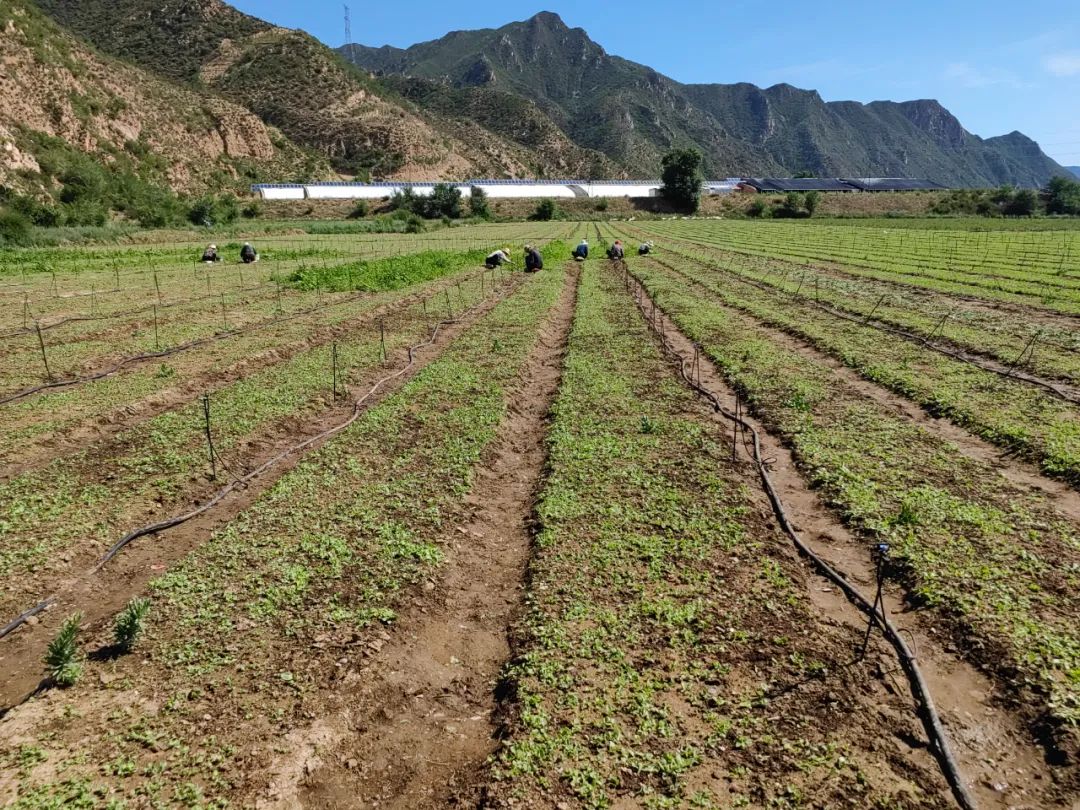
[[196, 95]]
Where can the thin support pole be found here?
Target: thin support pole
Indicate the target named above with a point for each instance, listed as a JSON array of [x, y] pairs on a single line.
[[157, 343], [41, 345], [382, 338], [875, 308], [882, 550], [209, 436], [334, 365]]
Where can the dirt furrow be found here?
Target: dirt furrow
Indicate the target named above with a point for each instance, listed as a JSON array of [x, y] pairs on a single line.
[[100, 594], [419, 723], [37, 452], [1063, 497], [1003, 763]]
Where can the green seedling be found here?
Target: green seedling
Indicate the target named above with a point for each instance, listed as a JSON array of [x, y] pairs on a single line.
[[63, 658], [130, 623]]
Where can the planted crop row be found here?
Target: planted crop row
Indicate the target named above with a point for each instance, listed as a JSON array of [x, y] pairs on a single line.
[[1047, 346], [50, 412], [997, 563], [807, 242], [1014, 415], [269, 615], [63, 516], [667, 616]]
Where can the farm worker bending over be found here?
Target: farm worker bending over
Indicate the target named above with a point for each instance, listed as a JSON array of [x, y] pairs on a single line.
[[248, 254], [616, 251], [533, 260], [497, 259], [210, 254], [581, 252], [644, 248]]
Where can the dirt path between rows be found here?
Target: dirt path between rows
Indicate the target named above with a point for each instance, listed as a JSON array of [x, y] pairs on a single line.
[[99, 596], [1003, 765], [37, 452], [418, 724], [1064, 498]]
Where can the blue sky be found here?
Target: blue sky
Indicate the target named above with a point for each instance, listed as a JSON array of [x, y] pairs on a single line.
[[997, 65]]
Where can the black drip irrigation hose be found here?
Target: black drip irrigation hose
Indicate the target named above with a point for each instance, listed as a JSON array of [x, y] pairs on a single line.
[[964, 357], [183, 347], [929, 715], [238, 482]]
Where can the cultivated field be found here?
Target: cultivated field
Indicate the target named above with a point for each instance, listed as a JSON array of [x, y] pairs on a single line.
[[416, 534]]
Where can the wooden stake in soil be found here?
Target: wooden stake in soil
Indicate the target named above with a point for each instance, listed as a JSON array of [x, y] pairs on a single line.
[[26, 310], [449, 309], [735, 429], [116, 277], [333, 363], [157, 286], [209, 436], [157, 343], [382, 339], [41, 344]]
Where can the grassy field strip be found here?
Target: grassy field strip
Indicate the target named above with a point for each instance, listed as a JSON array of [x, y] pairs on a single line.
[[278, 606], [741, 240], [61, 517], [51, 411], [996, 563], [1013, 415], [187, 281], [983, 330], [974, 262], [667, 616], [77, 269]]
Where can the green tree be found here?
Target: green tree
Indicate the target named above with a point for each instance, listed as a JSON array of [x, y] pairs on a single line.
[[681, 175], [1022, 203], [1062, 196], [444, 201], [811, 200], [478, 203]]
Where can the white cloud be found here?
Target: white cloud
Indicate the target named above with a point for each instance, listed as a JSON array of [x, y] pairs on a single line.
[[968, 75], [1066, 63]]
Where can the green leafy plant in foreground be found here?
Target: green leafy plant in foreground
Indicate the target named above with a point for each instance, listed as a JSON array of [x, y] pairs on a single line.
[[63, 659], [130, 623]]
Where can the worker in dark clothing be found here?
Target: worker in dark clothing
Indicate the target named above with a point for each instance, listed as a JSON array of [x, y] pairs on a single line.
[[210, 254], [533, 260], [644, 248], [581, 252], [497, 259], [248, 254], [616, 252]]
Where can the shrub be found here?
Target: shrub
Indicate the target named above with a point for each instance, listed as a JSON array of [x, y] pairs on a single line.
[[601, 204], [545, 210], [811, 200], [130, 623], [63, 659], [14, 228], [360, 210], [444, 201], [403, 200], [253, 210], [757, 209]]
